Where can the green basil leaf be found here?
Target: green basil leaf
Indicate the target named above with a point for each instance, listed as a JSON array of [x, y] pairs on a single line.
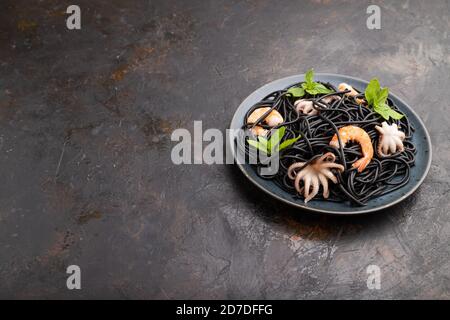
[[297, 92], [288, 143]]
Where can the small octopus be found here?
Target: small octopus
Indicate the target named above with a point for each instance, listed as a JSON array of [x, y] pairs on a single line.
[[274, 118], [305, 107], [353, 93], [314, 174], [330, 99], [352, 133], [391, 139]]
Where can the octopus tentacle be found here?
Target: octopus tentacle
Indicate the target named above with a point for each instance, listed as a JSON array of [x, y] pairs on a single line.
[[315, 188], [307, 182], [392, 146], [324, 182], [328, 157], [298, 178], [303, 173], [291, 170], [384, 148], [333, 166], [399, 143], [327, 173]]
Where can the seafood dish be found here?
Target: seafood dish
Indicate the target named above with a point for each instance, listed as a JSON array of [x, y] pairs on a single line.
[[339, 144]]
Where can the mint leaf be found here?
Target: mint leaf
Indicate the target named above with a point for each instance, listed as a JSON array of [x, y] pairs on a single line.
[[287, 143], [320, 88], [382, 96], [377, 97], [313, 87], [383, 110], [275, 138], [387, 112], [395, 115], [371, 92], [271, 145], [308, 86], [296, 92], [309, 76], [311, 90], [253, 143], [257, 145], [263, 142]]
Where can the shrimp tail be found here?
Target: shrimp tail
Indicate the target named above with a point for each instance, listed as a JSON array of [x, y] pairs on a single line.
[[361, 164], [334, 142]]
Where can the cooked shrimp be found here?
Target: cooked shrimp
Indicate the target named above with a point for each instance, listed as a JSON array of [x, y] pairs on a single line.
[[273, 119], [353, 93], [259, 131], [356, 134]]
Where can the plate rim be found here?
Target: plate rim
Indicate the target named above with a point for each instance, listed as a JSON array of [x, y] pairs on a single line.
[[322, 211]]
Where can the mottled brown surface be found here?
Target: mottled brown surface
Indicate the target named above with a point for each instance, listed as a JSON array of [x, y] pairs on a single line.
[[85, 123]]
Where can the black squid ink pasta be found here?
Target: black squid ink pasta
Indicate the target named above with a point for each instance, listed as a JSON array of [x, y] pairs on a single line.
[[334, 111]]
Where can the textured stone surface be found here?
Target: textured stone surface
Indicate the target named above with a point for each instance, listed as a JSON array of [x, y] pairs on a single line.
[[85, 123]]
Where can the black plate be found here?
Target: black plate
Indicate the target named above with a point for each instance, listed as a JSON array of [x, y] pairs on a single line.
[[418, 173]]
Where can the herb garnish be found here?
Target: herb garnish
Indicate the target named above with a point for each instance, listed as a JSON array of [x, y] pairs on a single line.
[[269, 146], [376, 97], [309, 86]]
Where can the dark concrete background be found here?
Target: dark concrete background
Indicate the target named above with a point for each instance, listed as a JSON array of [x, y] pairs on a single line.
[[86, 176]]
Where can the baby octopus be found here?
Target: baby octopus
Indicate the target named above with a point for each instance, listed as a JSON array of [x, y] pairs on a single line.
[[352, 133], [391, 139], [353, 93], [305, 107], [314, 174], [330, 99], [273, 119]]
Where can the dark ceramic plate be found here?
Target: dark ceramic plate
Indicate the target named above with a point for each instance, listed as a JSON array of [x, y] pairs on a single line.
[[418, 173]]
